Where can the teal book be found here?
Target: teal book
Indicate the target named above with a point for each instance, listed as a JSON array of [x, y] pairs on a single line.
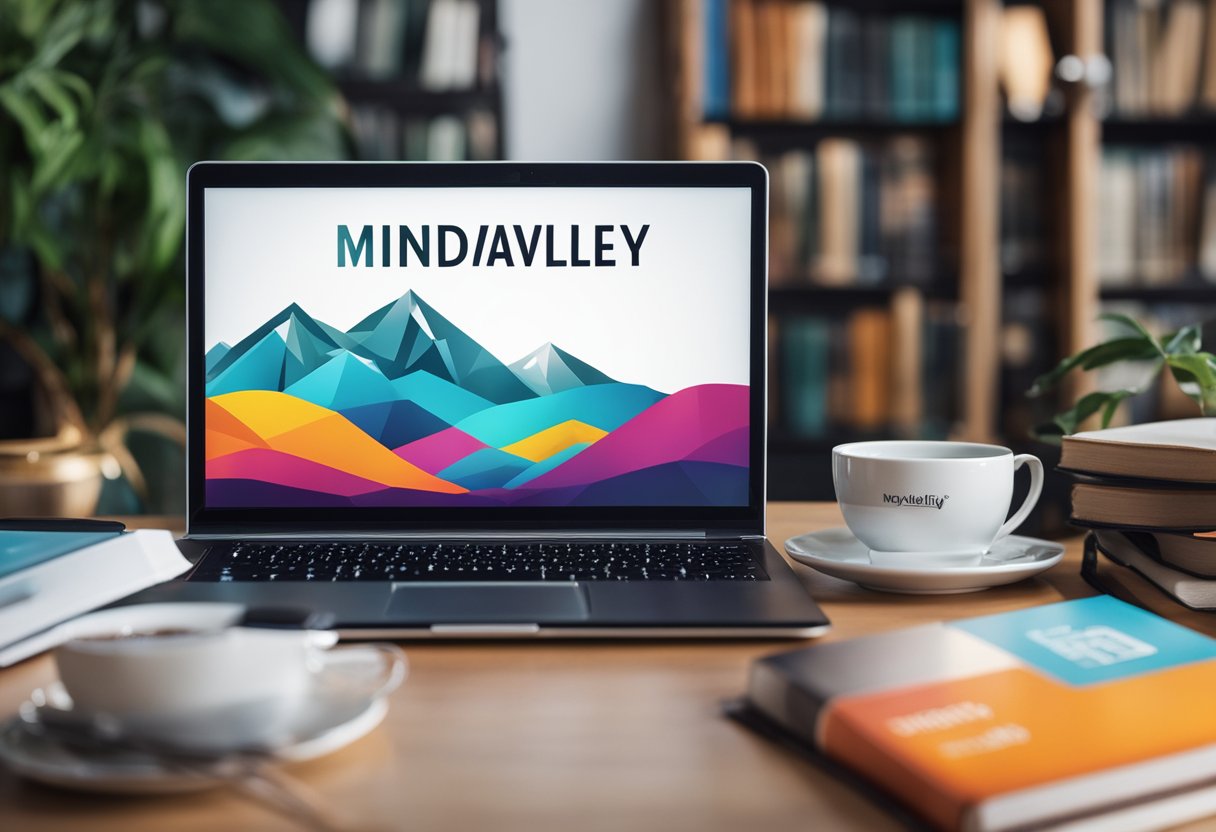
[[24, 549], [805, 353], [946, 79], [903, 68]]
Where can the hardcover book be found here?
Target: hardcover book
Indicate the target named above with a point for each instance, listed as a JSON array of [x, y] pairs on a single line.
[[47, 577], [1019, 720], [1135, 551], [1136, 507], [1183, 450]]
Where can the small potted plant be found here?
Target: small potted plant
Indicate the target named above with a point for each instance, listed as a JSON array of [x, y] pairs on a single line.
[[103, 106], [1180, 352]]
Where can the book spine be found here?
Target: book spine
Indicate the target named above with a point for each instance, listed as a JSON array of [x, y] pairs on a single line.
[[716, 67], [946, 70]]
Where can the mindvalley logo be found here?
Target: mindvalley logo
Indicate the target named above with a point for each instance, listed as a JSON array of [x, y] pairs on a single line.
[[916, 500]]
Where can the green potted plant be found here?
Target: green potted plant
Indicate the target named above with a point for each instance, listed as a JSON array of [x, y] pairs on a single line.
[[103, 106], [1180, 352]]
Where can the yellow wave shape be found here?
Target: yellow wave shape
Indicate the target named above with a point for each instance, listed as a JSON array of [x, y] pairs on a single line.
[[265, 418], [544, 444]]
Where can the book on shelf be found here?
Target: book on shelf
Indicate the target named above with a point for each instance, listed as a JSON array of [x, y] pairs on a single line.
[[1091, 713], [875, 369], [1027, 61], [853, 213], [1023, 231], [450, 50], [382, 133], [435, 44], [1155, 209], [808, 60], [1161, 54], [1127, 549], [1182, 450]]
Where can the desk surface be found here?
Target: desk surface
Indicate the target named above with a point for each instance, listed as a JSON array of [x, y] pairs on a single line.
[[562, 736]]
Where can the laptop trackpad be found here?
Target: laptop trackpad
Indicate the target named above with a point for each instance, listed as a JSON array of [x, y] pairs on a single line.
[[489, 603]]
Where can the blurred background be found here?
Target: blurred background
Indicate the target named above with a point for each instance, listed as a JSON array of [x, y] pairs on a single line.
[[958, 189]]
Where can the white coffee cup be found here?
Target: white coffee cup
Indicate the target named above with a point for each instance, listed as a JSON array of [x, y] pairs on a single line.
[[201, 682], [930, 498]]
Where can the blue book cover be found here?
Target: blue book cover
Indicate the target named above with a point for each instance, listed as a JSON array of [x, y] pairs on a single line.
[[716, 65], [24, 549]]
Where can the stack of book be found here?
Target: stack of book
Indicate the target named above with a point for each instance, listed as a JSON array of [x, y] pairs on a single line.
[[1149, 493], [852, 213], [811, 60], [1157, 216], [1158, 51]]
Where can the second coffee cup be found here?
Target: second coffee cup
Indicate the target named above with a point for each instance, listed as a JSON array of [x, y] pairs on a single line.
[[930, 498]]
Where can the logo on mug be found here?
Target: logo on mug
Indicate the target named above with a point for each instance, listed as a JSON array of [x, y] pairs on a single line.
[[916, 500]]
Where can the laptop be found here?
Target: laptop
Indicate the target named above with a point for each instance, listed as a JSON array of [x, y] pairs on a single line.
[[483, 399]]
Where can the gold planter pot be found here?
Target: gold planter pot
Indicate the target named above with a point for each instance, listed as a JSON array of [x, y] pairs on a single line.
[[59, 476]]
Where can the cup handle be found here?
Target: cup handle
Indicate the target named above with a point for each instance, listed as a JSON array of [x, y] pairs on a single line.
[[393, 667], [1032, 497]]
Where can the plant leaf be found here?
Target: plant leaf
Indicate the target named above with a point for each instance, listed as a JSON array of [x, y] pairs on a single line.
[[1105, 401], [1131, 323], [1198, 373], [1186, 341], [1131, 348]]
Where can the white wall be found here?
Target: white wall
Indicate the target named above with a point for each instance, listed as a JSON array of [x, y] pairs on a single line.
[[582, 79]]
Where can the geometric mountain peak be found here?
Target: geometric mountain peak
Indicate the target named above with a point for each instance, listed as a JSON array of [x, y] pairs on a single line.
[[407, 335], [549, 369]]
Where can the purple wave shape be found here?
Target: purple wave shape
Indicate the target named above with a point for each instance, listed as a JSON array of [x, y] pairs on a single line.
[[248, 493], [278, 468], [258, 494], [729, 449], [685, 483], [671, 430]]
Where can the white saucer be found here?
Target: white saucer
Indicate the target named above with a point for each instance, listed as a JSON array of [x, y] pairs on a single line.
[[333, 718], [838, 553]]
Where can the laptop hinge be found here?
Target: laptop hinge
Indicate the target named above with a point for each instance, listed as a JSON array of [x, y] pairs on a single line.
[[464, 534]]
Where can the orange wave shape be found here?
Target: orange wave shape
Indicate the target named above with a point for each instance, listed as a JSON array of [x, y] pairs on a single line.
[[283, 423], [546, 443]]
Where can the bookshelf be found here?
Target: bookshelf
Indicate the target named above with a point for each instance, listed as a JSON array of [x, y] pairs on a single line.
[[421, 78], [900, 307], [1024, 199]]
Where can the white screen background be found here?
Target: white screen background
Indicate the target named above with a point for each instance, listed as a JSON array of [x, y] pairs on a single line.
[[679, 319]]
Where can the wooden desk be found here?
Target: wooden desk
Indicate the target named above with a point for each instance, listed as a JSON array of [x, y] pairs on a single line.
[[560, 736]]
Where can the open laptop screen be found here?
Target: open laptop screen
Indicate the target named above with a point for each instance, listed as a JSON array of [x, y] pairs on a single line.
[[477, 347]]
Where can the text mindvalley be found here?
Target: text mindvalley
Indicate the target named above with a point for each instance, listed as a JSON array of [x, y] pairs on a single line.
[[916, 500], [446, 246]]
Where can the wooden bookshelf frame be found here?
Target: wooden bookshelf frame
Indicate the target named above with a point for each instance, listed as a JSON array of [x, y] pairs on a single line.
[[979, 217]]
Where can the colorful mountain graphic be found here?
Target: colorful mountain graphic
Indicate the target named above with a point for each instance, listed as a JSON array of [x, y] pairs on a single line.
[[405, 409]]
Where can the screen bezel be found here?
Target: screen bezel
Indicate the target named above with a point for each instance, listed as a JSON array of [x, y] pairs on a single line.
[[200, 519]]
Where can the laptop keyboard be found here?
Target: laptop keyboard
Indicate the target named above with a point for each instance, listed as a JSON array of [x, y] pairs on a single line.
[[532, 561]]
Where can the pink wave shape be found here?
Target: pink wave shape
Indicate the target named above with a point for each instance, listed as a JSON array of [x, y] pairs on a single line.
[[267, 465], [439, 450], [671, 430]]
